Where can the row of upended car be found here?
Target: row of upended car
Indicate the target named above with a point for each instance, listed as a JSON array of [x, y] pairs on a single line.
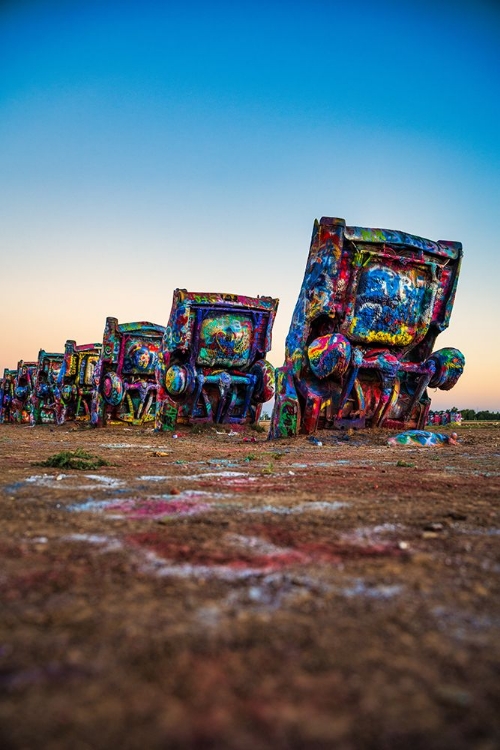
[[359, 351]]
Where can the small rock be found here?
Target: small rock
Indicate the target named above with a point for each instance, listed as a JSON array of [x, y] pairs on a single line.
[[481, 590], [434, 526], [456, 515], [452, 695]]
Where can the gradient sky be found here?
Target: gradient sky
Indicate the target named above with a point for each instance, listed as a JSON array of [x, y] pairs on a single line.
[[151, 145]]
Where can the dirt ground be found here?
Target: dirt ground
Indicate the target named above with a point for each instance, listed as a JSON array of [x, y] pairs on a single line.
[[221, 591]]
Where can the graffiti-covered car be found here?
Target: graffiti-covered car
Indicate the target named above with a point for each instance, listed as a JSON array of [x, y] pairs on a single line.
[[125, 374], [212, 366], [7, 394], [359, 351], [43, 395], [75, 381], [24, 383]]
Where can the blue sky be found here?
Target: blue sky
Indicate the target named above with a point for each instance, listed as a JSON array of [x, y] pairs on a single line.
[[146, 146]]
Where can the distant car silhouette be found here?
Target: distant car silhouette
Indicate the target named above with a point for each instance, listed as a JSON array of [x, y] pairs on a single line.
[[359, 349], [212, 366]]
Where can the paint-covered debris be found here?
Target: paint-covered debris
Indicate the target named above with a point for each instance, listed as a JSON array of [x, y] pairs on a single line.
[[423, 438], [359, 352], [315, 441]]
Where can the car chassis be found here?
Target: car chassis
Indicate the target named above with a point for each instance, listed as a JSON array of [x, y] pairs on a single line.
[[359, 349], [212, 366]]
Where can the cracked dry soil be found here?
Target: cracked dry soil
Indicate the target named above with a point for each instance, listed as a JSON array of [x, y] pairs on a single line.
[[212, 592]]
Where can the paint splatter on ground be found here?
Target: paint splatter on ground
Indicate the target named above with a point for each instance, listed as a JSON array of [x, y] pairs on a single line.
[[207, 592], [152, 508]]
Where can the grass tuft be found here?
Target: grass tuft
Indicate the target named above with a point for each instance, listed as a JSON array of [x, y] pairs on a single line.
[[78, 459]]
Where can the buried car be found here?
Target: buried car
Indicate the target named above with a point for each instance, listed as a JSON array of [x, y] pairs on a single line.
[[23, 385], [6, 394], [359, 351], [75, 381], [124, 376], [43, 395], [212, 365]]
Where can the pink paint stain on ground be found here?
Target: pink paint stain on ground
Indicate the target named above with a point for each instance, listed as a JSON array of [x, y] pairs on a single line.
[[241, 485], [322, 548], [155, 509], [229, 558], [252, 554]]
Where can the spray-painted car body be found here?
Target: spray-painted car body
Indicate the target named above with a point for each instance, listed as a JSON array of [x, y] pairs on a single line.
[[24, 383], [75, 381], [43, 395], [359, 351], [212, 366], [7, 394], [125, 374]]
